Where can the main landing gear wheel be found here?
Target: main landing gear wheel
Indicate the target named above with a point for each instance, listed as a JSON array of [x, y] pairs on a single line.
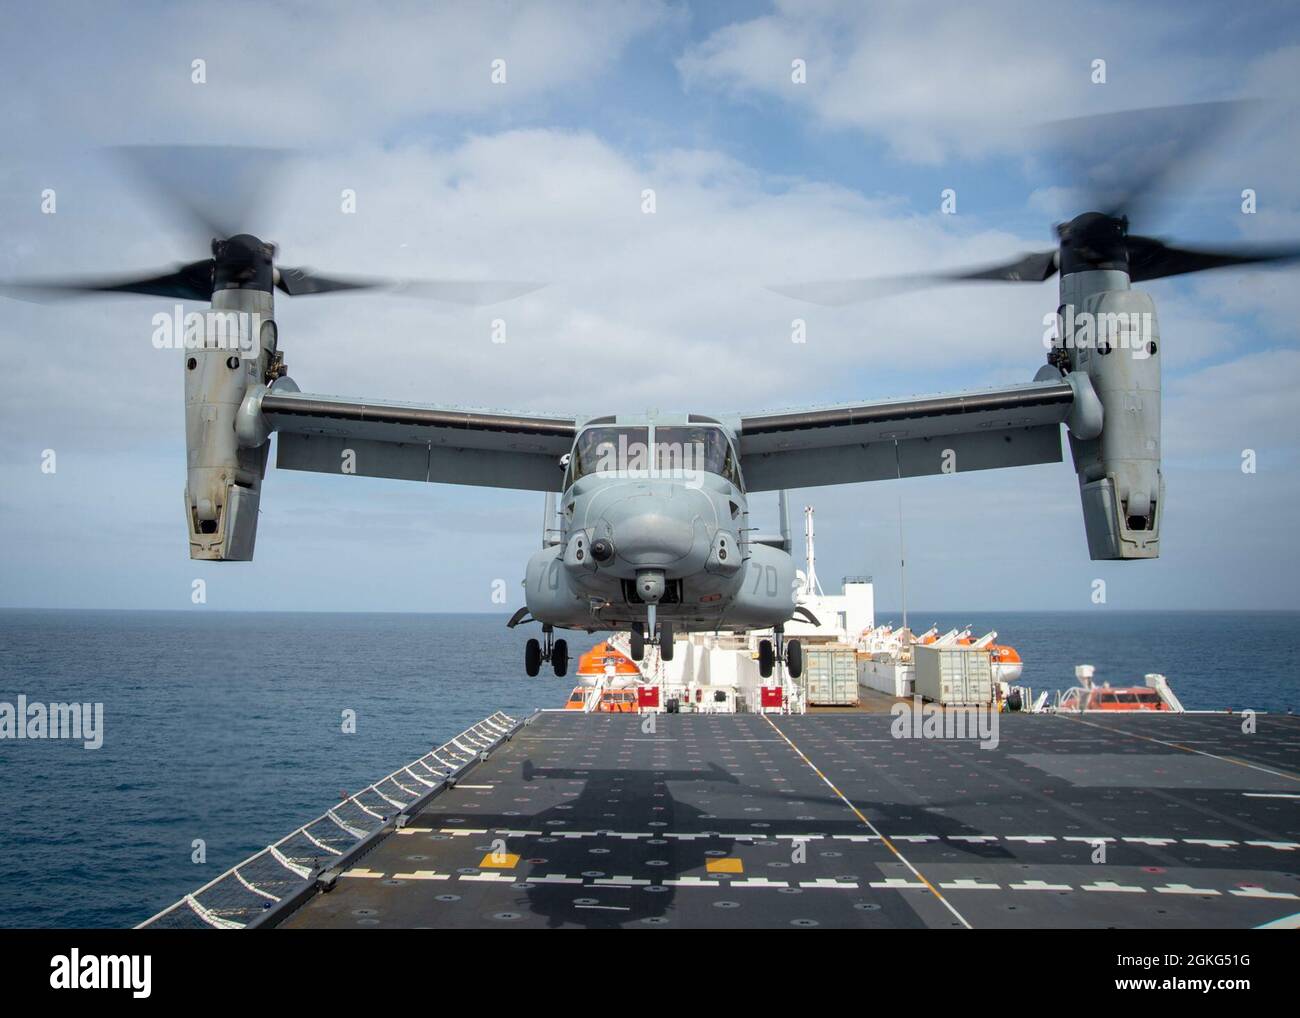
[[794, 659], [766, 658], [666, 641], [552, 650], [638, 643]]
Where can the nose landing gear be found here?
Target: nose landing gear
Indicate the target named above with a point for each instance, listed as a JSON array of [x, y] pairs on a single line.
[[555, 651], [650, 584], [665, 640], [791, 653]]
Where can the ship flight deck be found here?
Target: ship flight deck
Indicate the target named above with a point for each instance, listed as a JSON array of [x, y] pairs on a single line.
[[574, 819]]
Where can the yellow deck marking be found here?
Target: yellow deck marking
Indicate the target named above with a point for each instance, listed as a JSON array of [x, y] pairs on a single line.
[[727, 865], [870, 826], [499, 861]]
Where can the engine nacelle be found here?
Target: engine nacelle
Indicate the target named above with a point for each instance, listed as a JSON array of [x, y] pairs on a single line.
[[1115, 340], [224, 473]]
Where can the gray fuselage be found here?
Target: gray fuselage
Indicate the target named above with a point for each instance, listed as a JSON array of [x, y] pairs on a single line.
[[654, 511]]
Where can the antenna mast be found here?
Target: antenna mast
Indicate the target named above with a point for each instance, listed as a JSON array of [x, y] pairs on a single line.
[[812, 586], [902, 560]]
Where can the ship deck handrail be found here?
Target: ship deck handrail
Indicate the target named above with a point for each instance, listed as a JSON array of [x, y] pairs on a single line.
[[238, 896]]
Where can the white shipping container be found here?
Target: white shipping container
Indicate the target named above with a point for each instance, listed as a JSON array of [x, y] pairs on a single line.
[[954, 675], [830, 675]]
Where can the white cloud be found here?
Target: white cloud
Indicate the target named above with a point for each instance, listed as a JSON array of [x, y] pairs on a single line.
[[281, 73], [1211, 416], [964, 79], [665, 311]]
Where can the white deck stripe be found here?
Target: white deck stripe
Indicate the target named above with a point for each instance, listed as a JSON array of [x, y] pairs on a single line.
[[1261, 892]]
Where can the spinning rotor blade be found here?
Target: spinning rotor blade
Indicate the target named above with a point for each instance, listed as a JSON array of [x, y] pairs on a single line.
[[1120, 162], [220, 190], [186, 282], [216, 190], [194, 282], [1153, 259], [1030, 268], [298, 282], [469, 292]]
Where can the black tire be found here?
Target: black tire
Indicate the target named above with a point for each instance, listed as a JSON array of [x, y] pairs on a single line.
[[766, 658], [638, 644], [560, 657], [794, 659], [532, 658], [666, 641]]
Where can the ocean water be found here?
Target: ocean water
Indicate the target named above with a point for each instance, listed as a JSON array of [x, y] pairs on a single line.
[[227, 727]]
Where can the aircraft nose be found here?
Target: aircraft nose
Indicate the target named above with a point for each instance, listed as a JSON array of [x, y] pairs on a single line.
[[645, 539], [655, 529]]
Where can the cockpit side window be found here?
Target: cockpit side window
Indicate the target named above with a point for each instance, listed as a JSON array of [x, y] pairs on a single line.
[[730, 468]]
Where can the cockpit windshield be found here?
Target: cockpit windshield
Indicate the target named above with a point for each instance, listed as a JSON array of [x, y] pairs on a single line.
[[609, 450], [679, 451]]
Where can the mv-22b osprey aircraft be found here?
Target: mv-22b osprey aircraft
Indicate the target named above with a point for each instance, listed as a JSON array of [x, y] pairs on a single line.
[[651, 533]]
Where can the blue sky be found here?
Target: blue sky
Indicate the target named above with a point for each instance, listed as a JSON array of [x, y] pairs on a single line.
[[757, 181]]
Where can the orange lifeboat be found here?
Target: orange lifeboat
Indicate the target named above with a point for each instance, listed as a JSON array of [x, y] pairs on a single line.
[[606, 663], [1126, 698], [595, 663], [1007, 666], [612, 701]]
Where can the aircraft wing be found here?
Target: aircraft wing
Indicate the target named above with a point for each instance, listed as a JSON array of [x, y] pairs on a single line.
[[417, 442], [1006, 427]]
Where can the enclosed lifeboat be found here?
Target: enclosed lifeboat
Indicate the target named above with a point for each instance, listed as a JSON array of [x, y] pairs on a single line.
[[1106, 697], [1007, 665], [606, 666]]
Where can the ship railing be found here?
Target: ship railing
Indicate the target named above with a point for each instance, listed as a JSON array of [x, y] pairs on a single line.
[[242, 893], [594, 695]]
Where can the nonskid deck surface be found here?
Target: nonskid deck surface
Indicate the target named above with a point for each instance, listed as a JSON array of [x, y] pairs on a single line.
[[751, 821]]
